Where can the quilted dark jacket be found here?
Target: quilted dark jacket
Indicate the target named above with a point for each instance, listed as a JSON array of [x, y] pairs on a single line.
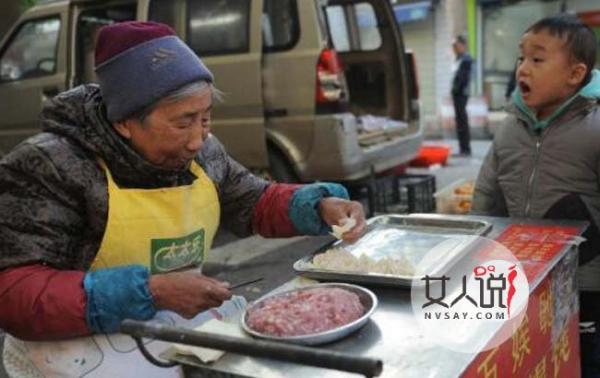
[[53, 193]]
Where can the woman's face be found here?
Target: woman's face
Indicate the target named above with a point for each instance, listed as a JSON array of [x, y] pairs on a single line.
[[173, 133]]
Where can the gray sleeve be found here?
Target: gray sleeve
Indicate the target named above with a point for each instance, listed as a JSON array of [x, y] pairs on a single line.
[[239, 190], [42, 216], [488, 198]]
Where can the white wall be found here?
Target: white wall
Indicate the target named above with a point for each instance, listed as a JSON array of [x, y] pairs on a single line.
[[444, 57], [418, 37], [583, 5], [431, 41]]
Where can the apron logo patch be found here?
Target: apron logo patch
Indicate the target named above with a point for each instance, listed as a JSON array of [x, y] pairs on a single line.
[[172, 254]]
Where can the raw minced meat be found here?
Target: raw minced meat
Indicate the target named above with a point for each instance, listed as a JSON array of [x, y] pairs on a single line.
[[305, 312]]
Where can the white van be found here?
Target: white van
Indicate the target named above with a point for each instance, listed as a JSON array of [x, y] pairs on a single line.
[[315, 89]]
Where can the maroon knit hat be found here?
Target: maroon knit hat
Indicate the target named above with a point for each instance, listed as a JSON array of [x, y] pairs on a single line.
[[116, 38], [139, 63]]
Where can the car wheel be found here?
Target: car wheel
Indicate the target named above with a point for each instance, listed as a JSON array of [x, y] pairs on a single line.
[[280, 169]]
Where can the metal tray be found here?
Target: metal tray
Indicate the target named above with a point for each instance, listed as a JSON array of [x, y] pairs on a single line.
[[367, 298], [418, 234]]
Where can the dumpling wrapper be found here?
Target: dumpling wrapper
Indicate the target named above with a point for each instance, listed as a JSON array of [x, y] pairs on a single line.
[[346, 225], [215, 326]]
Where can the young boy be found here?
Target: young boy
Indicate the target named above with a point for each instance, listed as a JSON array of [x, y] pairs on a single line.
[[545, 158]]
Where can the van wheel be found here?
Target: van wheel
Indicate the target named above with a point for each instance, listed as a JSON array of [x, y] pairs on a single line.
[[280, 169]]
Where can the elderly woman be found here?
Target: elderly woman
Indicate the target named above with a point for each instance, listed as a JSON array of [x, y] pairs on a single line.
[[107, 212]]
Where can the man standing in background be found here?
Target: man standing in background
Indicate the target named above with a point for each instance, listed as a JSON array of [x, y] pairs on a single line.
[[460, 93]]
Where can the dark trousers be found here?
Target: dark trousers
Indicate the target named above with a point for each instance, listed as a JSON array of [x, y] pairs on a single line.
[[462, 123], [572, 207], [589, 336]]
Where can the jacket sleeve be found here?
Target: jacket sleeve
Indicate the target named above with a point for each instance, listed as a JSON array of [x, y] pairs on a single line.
[[291, 209], [44, 210], [271, 216], [239, 190], [462, 77], [488, 198], [250, 204], [42, 303], [43, 260]]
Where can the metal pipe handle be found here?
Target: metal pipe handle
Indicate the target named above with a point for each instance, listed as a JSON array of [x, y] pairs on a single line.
[[256, 348]]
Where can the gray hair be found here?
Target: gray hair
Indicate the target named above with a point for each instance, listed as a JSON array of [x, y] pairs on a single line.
[[461, 39], [186, 91]]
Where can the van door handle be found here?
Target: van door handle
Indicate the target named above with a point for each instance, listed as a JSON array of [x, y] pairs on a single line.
[[49, 92], [282, 112]]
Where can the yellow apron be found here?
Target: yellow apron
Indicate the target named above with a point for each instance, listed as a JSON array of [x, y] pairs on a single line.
[[163, 229]]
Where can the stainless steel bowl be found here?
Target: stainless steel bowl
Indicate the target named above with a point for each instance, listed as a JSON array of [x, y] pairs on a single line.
[[366, 297]]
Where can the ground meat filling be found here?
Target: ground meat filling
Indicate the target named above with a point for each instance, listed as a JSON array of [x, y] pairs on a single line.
[[305, 312]]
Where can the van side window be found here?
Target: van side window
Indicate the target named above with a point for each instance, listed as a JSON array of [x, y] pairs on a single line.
[[368, 30], [32, 51], [338, 29], [166, 11], [88, 24], [218, 26], [353, 27], [280, 25]]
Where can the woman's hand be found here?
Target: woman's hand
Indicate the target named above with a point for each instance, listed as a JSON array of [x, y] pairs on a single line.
[[334, 210], [187, 293]]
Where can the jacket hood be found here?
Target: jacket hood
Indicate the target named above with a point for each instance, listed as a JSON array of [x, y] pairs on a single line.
[[80, 116], [590, 92], [592, 89]]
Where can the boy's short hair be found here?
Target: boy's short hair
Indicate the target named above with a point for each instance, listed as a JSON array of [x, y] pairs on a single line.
[[579, 38]]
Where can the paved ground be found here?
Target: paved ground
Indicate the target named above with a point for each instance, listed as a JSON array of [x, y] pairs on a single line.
[[235, 260], [458, 167]]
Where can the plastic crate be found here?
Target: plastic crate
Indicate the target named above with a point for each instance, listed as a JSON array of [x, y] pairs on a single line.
[[395, 194], [455, 198], [417, 192]]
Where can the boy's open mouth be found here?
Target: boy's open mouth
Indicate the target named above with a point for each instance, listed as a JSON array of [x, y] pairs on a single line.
[[524, 87]]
